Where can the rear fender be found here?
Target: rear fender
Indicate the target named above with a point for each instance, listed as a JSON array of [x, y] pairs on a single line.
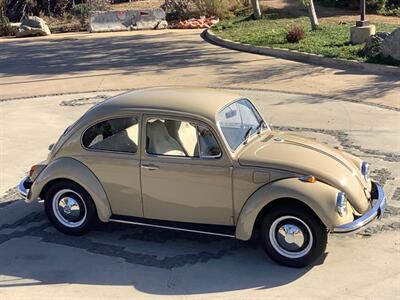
[[72, 169]]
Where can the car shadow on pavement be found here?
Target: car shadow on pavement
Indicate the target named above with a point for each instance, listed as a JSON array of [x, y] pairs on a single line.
[[152, 260]]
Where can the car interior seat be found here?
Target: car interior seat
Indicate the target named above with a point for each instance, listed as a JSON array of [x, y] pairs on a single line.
[[185, 134], [160, 142]]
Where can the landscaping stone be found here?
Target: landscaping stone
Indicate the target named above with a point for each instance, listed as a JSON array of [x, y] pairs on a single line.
[[359, 34], [391, 45], [14, 28], [373, 45], [150, 19], [33, 26], [162, 25], [107, 21]]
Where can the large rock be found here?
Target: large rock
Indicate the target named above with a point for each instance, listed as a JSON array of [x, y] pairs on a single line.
[[33, 26], [373, 45], [162, 25], [150, 19], [14, 28], [104, 21], [391, 45]]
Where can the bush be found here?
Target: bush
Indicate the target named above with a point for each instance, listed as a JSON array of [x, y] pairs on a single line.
[[180, 9], [186, 9], [223, 9], [5, 27], [390, 11], [82, 10], [16, 9], [372, 6], [295, 34]]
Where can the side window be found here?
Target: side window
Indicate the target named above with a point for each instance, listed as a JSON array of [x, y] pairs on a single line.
[[120, 135], [180, 138], [208, 145]]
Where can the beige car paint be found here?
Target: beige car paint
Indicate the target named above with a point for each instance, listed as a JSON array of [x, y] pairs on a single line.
[[230, 190], [288, 152], [318, 196], [71, 169], [206, 182]]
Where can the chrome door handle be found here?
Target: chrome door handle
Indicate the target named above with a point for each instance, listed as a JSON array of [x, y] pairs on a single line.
[[150, 167]]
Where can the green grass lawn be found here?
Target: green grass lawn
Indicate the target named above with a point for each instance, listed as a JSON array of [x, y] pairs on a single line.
[[330, 40]]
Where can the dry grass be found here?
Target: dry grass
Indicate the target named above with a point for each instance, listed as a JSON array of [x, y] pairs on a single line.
[[147, 4]]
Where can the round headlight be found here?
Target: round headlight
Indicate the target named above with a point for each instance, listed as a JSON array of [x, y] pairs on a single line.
[[341, 204], [365, 169]]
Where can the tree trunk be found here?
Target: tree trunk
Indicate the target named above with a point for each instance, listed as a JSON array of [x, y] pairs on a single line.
[[256, 9], [313, 15]]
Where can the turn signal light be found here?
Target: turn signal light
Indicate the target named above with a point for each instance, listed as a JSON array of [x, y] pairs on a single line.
[[309, 178], [32, 170]]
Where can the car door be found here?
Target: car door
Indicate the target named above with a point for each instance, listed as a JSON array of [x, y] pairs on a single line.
[[112, 153], [185, 175]]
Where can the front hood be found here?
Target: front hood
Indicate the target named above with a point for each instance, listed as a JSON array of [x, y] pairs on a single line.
[[283, 151]]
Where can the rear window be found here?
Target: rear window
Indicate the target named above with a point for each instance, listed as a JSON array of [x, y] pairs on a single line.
[[117, 135]]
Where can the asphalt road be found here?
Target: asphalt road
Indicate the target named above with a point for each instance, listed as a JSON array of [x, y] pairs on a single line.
[[358, 112], [92, 62]]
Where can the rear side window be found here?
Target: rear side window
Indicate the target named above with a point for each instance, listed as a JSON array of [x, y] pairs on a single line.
[[118, 135]]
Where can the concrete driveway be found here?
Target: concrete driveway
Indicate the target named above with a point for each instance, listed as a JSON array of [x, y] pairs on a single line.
[[122, 261]]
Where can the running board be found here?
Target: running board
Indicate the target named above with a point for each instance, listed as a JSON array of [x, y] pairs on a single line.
[[218, 230]]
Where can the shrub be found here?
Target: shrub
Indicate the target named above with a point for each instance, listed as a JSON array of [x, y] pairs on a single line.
[[223, 9], [380, 6], [186, 9], [5, 27], [390, 11], [180, 9], [16, 9], [82, 10], [295, 34]]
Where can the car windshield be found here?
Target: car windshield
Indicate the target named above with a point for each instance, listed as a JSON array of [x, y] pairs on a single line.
[[238, 121]]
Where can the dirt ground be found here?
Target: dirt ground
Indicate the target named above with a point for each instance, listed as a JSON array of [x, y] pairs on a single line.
[[146, 4]]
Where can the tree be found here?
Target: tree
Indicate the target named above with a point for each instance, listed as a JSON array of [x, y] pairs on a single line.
[[311, 13], [256, 9]]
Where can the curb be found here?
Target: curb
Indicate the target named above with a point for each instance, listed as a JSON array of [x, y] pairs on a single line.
[[314, 59]]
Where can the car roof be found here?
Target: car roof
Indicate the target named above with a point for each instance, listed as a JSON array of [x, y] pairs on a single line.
[[202, 102]]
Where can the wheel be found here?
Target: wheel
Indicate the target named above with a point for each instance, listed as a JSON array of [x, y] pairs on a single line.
[[69, 208], [293, 236]]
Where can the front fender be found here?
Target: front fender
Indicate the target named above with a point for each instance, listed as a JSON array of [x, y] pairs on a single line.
[[320, 197], [69, 168]]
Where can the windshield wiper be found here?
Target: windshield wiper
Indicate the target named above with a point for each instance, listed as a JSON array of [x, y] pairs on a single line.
[[247, 135], [260, 126]]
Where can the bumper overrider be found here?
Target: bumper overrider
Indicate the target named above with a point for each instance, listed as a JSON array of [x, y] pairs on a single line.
[[376, 211]]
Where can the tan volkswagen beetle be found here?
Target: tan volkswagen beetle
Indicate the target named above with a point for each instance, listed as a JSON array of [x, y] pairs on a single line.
[[202, 161]]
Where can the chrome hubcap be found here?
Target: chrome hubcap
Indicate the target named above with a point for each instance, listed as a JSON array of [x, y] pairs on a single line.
[[290, 237], [69, 208]]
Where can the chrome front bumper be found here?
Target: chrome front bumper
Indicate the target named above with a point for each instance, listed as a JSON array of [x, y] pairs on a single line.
[[375, 212], [23, 191]]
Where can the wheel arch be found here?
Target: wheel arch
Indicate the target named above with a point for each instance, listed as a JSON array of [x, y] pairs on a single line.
[[276, 203], [70, 169], [318, 197]]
